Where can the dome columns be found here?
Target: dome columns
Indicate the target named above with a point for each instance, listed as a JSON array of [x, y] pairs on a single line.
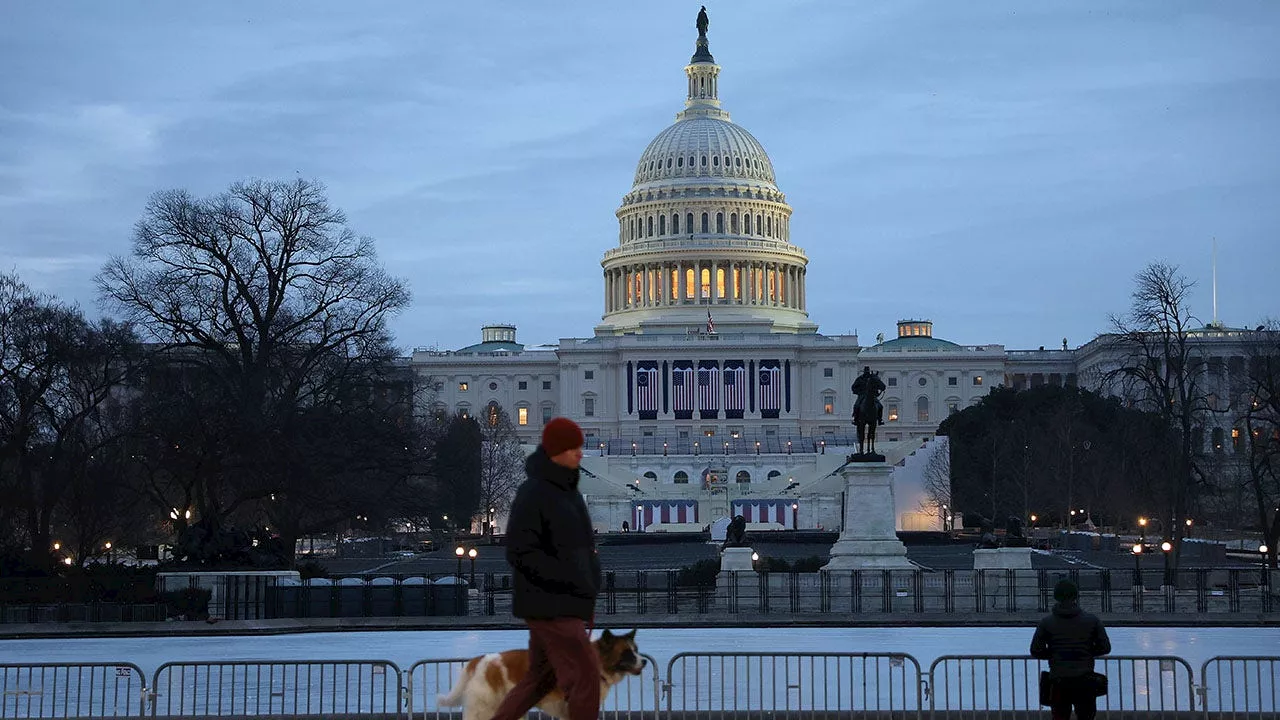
[[710, 282]]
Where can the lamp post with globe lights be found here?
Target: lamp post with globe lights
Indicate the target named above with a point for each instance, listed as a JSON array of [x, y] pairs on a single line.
[[1166, 547], [459, 552], [472, 553]]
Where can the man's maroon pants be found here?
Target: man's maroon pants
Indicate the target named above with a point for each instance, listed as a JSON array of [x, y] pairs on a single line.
[[560, 654]]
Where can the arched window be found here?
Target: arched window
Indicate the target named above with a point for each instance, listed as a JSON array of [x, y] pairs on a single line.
[[922, 409], [690, 161], [743, 477], [773, 474], [768, 226], [704, 161], [706, 223], [720, 223], [681, 477], [733, 223], [726, 161], [688, 223], [680, 162], [650, 226], [651, 475], [668, 163], [633, 228], [675, 223], [746, 225], [662, 224], [716, 161], [737, 162], [706, 283], [759, 223]]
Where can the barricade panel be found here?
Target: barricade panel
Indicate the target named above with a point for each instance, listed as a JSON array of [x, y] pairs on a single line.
[[1241, 687], [296, 688], [81, 690]]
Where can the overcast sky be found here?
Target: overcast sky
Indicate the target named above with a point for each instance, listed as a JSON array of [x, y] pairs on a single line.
[[1005, 167]]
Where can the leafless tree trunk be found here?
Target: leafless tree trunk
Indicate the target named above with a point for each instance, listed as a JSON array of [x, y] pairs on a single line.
[[278, 307], [1262, 433], [501, 463], [937, 484], [1162, 369]]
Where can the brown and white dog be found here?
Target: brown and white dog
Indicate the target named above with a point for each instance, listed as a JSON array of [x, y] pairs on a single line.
[[487, 679]]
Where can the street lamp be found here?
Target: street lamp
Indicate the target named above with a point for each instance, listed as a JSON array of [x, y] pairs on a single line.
[[459, 551], [1166, 547], [1189, 523], [472, 553], [1142, 526], [1137, 564], [795, 516], [757, 447]]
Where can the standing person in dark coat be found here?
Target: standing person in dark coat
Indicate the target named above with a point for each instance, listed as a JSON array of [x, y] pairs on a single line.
[[1070, 638], [551, 547]]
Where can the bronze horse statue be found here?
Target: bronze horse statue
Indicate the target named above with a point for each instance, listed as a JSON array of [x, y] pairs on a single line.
[[867, 410]]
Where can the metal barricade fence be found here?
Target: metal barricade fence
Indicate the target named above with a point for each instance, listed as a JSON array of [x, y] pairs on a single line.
[[1241, 687], [1010, 684], [715, 685], [319, 688], [634, 698], [52, 690]]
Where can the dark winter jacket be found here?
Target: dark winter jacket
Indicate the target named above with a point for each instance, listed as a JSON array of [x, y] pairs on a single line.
[[551, 546], [1070, 639]]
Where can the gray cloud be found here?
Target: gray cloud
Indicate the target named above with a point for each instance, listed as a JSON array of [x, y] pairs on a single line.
[[1007, 165]]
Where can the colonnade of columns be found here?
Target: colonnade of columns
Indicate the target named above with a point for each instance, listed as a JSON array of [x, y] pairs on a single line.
[[693, 282]]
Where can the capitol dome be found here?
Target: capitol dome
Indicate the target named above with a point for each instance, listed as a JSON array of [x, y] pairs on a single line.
[[704, 234], [701, 146]]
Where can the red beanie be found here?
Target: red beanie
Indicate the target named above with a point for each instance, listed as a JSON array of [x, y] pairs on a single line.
[[561, 434]]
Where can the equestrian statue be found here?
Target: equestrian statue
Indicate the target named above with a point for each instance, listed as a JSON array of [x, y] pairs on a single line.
[[868, 413]]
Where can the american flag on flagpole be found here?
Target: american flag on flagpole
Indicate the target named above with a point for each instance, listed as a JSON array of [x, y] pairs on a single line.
[[647, 390], [711, 324]]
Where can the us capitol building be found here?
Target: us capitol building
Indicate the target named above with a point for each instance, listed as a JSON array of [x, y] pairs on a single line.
[[706, 390]]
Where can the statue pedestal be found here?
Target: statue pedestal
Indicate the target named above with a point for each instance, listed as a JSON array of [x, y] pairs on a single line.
[[736, 563], [1002, 559], [868, 540]]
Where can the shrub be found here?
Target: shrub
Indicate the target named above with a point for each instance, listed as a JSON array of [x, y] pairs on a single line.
[[312, 569], [703, 572], [189, 603]]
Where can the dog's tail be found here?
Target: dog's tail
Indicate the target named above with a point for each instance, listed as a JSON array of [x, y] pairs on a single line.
[[454, 698]]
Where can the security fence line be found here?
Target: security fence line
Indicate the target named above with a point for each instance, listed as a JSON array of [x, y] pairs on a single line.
[[695, 685]]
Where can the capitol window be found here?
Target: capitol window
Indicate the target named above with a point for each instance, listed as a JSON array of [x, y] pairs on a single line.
[[977, 379], [688, 222], [675, 223], [589, 407], [546, 384], [891, 413], [952, 381], [716, 161], [828, 372], [706, 223], [746, 224], [922, 409], [704, 161], [668, 163], [462, 387], [828, 404], [681, 477], [720, 223], [680, 162], [737, 162], [743, 477], [523, 385], [733, 223], [893, 382]]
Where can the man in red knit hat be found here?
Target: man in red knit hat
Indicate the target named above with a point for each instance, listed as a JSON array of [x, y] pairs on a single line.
[[552, 548]]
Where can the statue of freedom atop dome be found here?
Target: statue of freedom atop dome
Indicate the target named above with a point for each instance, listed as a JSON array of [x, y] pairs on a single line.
[[703, 21]]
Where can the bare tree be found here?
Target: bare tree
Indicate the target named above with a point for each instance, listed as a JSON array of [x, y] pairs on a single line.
[[1262, 434], [937, 483], [57, 373], [1163, 369], [275, 306], [501, 463]]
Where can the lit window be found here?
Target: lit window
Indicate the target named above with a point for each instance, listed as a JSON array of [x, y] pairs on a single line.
[[828, 404], [953, 408], [462, 387], [892, 413], [977, 380], [522, 415], [1235, 439]]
